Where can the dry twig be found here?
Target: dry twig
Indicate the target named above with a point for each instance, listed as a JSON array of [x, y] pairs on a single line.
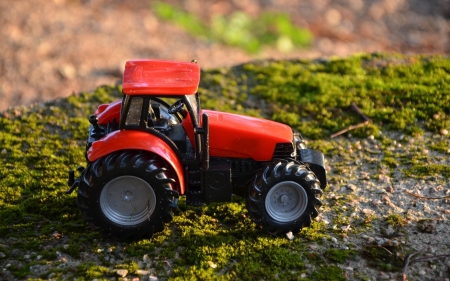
[[364, 117], [405, 266], [430, 258], [377, 246], [423, 197]]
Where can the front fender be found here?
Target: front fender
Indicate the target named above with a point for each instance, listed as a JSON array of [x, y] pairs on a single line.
[[316, 162], [128, 140]]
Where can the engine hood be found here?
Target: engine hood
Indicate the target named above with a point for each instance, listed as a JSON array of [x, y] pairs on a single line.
[[233, 135]]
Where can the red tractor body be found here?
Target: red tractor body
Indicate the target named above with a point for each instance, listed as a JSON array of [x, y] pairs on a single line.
[[142, 147]]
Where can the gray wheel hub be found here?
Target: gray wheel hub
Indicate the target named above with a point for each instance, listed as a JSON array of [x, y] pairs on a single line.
[[127, 200], [286, 201]]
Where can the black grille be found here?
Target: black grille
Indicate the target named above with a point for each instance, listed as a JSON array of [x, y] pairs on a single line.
[[283, 150]]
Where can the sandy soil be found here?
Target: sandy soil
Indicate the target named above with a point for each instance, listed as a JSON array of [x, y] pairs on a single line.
[[52, 48]]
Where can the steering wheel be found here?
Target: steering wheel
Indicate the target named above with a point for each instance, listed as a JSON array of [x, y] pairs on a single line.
[[176, 107]]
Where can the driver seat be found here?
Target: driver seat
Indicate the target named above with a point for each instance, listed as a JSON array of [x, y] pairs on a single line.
[[154, 117]]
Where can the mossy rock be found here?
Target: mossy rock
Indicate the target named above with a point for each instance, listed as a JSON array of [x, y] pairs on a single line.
[[40, 143]]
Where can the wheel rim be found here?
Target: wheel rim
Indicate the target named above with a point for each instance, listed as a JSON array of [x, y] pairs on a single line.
[[127, 200], [286, 201]]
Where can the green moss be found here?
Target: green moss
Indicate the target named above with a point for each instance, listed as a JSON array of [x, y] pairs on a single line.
[[441, 146], [321, 93], [396, 220], [420, 170], [383, 258], [20, 272], [339, 255], [91, 271], [315, 232], [329, 273], [390, 162], [131, 267]]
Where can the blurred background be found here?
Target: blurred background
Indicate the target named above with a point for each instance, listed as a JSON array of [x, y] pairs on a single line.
[[52, 48]]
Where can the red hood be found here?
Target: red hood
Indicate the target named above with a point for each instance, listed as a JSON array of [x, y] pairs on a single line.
[[239, 136]]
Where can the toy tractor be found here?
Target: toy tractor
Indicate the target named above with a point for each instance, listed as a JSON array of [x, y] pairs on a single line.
[[143, 153]]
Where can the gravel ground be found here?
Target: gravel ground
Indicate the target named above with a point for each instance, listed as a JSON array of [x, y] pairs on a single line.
[[376, 191], [52, 48]]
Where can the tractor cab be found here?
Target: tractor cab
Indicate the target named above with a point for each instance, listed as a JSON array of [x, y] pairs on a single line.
[[147, 88]]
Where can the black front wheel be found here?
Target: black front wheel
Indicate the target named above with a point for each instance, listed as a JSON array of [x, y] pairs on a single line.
[[128, 194], [284, 197]]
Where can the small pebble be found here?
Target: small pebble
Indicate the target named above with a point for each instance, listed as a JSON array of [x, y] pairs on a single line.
[[212, 265], [142, 272], [2, 255], [381, 191], [122, 272], [444, 132], [433, 266], [333, 17], [376, 202], [345, 228], [384, 275], [290, 236], [380, 241], [390, 230], [334, 240]]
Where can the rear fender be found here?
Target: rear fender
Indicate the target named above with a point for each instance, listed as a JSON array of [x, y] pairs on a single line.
[[137, 140], [108, 112]]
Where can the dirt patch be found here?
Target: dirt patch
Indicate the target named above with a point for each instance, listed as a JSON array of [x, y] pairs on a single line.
[[54, 48]]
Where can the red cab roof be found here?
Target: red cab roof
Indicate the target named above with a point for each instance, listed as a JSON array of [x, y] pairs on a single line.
[[160, 77]]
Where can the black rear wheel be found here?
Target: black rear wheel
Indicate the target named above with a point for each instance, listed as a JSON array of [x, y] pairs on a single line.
[[128, 194], [284, 197]]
